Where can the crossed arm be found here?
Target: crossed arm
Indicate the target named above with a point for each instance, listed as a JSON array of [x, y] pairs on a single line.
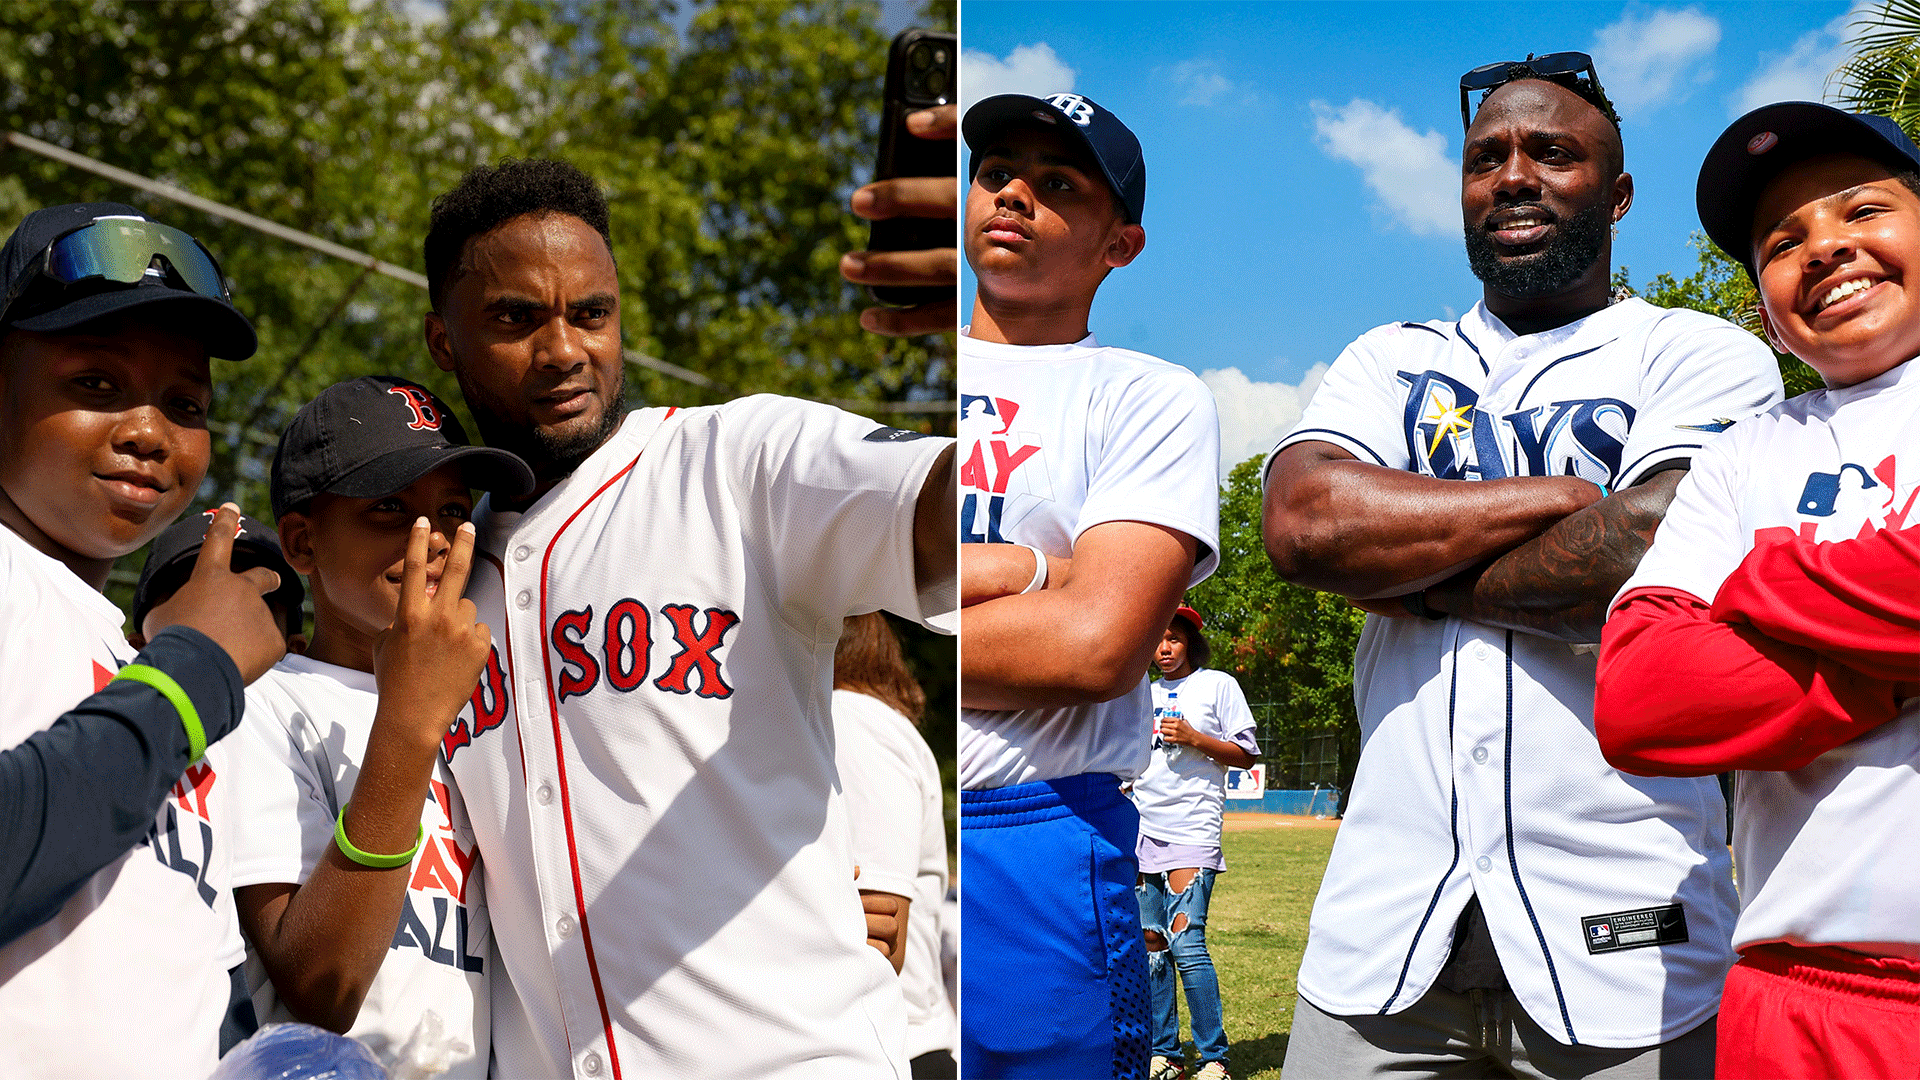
[[1539, 554], [1084, 640]]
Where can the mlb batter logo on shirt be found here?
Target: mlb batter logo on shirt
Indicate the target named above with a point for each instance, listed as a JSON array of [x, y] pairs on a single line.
[[434, 918], [1873, 497], [182, 833], [996, 453]]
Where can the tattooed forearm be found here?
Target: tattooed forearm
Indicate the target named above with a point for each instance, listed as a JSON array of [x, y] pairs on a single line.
[[1558, 584]]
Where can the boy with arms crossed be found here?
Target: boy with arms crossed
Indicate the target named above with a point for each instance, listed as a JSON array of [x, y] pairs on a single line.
[[1774, 626], [354, 863], [1073, 450], [104, 387]]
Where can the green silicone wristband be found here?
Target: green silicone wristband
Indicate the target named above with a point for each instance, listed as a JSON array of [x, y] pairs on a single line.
[[182, 704], [368, 858]]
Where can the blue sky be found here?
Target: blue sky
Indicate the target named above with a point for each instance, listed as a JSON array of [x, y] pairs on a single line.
[[1303, 158]]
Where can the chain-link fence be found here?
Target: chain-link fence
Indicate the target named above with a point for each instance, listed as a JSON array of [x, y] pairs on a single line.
[[1295, 762]]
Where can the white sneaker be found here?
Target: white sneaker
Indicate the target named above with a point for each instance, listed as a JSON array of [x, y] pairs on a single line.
[[1212, 1070], [1163, 1068]]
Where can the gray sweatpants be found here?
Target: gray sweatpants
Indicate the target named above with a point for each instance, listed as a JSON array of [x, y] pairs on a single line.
[[1480, 1033]]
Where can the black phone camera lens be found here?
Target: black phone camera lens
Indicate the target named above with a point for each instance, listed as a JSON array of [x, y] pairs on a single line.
[[936, 82], [920, 56]]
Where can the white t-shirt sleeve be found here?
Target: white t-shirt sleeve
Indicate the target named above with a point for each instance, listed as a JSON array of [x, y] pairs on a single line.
[[830, 496], [1236, 719], [1360, 404], [281, 821], [1700, 541], [883, 794], [1158, 461], [1700, 373]]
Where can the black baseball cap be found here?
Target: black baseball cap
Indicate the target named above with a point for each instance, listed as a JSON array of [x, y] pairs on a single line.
[[1110, 142], [1760, 145], [171, 561], [52, 268], [372, 436]]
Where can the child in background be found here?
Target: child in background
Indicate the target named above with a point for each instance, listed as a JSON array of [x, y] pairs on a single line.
[[355, 870], [175, 552], [1774, 626]]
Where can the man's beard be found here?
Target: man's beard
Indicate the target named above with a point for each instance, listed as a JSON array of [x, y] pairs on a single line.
[[552, 455], [1574, 248]]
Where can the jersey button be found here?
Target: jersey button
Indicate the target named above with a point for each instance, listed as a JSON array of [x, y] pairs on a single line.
[[590, 1064], [564, 924], [520, 553], [545, 794], [1485, 864], [1479, 647], [525, 598], [1479, 758]]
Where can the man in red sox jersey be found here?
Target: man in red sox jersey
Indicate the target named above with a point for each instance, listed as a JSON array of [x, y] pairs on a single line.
[[649, 766]]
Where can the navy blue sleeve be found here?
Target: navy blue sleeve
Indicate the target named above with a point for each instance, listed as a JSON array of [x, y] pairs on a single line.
[[76, 796]]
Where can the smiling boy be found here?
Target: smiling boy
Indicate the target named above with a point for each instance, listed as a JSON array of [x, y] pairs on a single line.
[[1774, 627], [1110, 457], [105, 386]]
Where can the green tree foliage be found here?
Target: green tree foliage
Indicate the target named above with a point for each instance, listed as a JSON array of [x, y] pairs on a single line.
[[727, 152], [1883, 74], [1287, 645]]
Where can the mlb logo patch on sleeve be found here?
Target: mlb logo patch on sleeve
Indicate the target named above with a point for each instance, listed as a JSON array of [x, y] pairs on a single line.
[[1635, 929]]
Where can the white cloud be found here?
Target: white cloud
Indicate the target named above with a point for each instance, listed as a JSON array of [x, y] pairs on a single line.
[[1254, 415], [1641, 57], [1799, 74], [1414, 176], [1201, 79], [1028, 69]]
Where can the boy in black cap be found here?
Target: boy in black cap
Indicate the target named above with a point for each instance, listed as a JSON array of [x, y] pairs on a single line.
[[115, 862], [177, 550], [1072, 449], [361, 918], [1774, 626]]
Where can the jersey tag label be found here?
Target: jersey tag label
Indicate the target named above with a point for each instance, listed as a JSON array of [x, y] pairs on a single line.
[[894, 434], [1635, 929]]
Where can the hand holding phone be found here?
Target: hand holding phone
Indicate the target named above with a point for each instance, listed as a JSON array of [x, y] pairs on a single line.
[[911, 263]]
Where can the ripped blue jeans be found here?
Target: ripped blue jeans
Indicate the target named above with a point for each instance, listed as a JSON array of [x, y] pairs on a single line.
[[1186, 952]]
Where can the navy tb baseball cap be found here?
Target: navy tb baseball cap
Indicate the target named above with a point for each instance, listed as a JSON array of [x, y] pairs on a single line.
[[176, 549], [1760, 145], [370, 437], [65, 266], [1112, 145]]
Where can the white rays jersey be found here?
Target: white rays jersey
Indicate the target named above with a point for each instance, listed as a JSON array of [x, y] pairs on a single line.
[[1184, 790], [894, 806], [130, 978], [1825, 852], [1480, 774], [649, 764], [298, 753], [1055, 439]]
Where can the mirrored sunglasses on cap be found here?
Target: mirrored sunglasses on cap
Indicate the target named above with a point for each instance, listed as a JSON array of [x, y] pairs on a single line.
[[1501, 72], [124, 250]]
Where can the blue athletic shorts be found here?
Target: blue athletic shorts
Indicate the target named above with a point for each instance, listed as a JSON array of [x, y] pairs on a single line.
[[1053, 973]]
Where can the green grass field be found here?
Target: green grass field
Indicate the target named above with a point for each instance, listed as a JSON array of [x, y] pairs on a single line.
[[1256, 931]]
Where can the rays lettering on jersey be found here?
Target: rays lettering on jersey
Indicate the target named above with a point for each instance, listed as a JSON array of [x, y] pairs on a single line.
[[1450, 437], [437, 893], [182, 832], [989, 465], [622, 649], [1869, 496]]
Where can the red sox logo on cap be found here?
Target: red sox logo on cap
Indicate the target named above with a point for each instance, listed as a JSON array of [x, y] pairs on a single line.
[[425, 416]]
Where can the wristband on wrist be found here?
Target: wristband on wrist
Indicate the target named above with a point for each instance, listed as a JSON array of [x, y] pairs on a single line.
[[368, 858], [1039, 569], [1416, 604], [182, 704]]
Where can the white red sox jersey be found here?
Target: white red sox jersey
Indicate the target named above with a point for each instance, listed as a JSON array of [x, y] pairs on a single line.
[[894, 801], [1480, 775], [1184, 790], [1055, 439], [130, 978], [648, 762], [1825, 852], [298, 754]]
